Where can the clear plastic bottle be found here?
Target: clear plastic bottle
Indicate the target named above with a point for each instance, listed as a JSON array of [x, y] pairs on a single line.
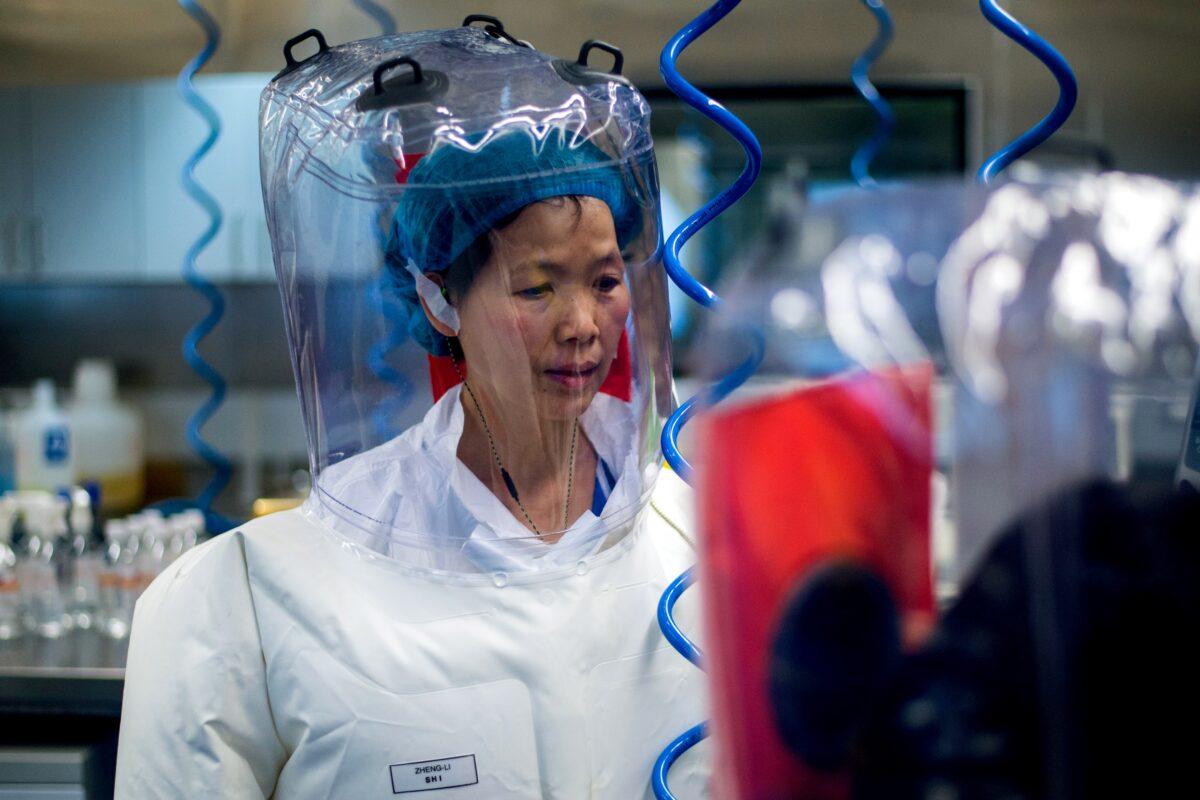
[[119, 580], [82, 587], [187, 529], [177, 528], [108, 437], [107, 581], [45, 456], [195, 531], [10, 598], [153, 553], [60, 534], [45, 613]]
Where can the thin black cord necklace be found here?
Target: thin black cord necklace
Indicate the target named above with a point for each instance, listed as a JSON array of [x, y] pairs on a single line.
[[508, 481]]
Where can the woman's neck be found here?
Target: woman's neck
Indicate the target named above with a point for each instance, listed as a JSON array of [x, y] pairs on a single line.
[[536, 453]]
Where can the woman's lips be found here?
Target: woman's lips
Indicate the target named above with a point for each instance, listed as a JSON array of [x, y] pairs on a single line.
[[572, 377]]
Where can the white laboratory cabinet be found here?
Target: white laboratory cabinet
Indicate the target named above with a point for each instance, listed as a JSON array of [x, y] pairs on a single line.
[[172, 131], [16, 235], [84, 208], [90, 182]]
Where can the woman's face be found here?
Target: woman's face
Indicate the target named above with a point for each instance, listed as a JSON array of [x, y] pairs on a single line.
[[542, 319]]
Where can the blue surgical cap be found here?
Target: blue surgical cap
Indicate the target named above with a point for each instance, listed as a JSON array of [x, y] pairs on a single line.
[[456, 194]]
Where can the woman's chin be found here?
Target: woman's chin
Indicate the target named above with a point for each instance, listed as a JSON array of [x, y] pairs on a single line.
[[567, 405]]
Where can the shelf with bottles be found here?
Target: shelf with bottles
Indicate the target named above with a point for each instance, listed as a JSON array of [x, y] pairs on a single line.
[[58, 576]]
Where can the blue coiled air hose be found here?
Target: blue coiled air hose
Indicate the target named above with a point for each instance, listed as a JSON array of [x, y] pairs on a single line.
[[860, 164], [707, 298], [1068, 90], [222, 468]]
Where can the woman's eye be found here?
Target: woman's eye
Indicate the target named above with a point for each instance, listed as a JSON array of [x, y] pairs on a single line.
[[608, 283], [534, 292]]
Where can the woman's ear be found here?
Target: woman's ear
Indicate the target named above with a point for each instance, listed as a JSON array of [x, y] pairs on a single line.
[[438, 324]]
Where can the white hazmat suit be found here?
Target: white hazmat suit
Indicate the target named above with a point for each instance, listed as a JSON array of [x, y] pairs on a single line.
[[281, 660]]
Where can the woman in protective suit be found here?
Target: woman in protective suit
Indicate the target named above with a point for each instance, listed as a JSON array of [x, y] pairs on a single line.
[[465, 604]]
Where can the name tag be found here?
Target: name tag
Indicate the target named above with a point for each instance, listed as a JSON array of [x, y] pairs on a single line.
[[439, 773]]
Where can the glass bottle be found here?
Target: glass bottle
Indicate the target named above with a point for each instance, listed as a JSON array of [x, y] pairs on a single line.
[[37, 569], [10, 597]]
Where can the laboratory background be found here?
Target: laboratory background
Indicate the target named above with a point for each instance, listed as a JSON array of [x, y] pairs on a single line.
[[148, 401]]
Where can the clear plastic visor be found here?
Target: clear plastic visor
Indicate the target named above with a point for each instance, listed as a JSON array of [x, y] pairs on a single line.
[[482, 361]]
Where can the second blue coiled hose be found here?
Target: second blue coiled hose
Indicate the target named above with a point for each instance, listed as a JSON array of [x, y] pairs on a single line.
[[700, 293], [222, 468], [1068, 90]]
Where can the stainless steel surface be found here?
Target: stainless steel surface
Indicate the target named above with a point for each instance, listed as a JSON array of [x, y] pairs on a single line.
[[80, 673], [44, 765]]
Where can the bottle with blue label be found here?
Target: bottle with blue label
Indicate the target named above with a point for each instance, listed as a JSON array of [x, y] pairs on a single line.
[[45, 458]]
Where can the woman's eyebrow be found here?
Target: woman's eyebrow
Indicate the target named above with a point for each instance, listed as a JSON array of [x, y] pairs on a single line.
[[611, 257], [523, 268], [558, 267]]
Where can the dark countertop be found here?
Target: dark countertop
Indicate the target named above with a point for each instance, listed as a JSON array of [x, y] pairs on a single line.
[[80, 673]]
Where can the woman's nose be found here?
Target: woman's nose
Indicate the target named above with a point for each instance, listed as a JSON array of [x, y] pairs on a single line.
[[578, 322]]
